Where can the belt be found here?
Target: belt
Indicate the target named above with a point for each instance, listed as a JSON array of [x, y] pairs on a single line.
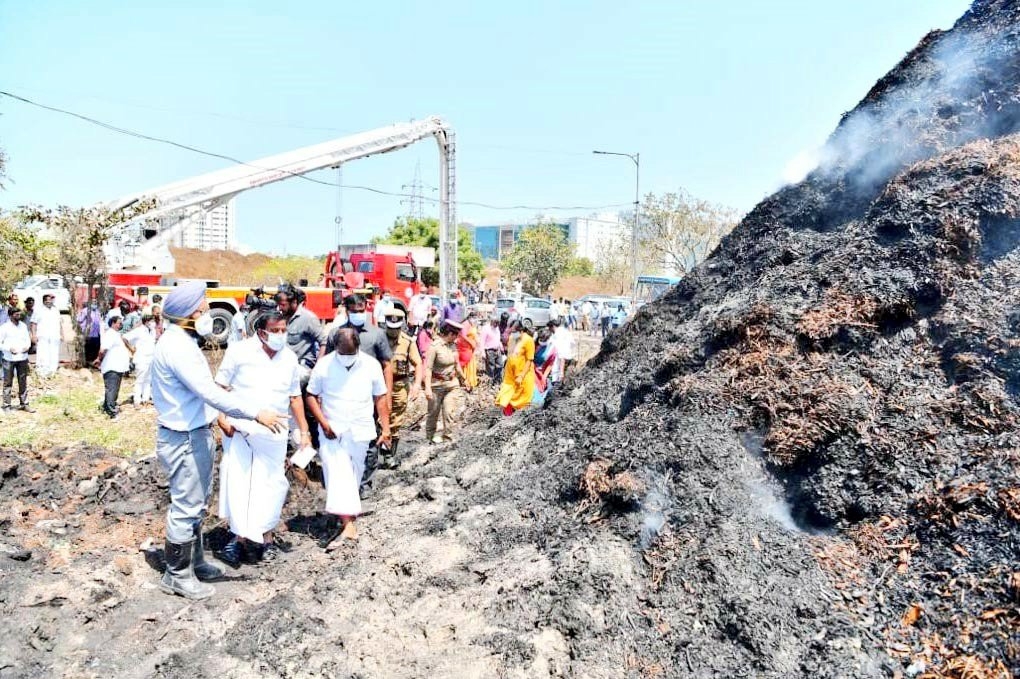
[[443, 378], [188, 431]]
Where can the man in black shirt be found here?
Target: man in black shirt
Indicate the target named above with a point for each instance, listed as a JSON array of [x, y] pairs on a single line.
[[373, 339]]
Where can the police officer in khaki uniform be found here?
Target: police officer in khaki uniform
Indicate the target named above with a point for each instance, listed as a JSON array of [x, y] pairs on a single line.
[[407, 378]]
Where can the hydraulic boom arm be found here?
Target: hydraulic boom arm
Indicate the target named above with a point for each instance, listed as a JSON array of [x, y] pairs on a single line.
[[143, 244]]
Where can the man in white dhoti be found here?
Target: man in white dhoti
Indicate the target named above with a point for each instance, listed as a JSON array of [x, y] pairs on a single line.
[[45, 329], [342, 389], [263, 372]]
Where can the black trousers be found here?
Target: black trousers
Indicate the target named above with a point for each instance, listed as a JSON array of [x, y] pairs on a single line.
[[91, 349], [111, 381], [492, 364], [10, 369]]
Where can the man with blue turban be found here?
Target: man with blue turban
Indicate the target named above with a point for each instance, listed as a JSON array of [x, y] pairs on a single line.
[[186, 400]]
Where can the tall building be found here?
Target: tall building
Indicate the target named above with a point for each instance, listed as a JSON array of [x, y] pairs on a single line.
[[494, 242], [215, 231], [592, 235]]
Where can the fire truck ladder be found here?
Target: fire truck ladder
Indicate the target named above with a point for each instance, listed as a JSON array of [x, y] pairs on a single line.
[[143, 244]]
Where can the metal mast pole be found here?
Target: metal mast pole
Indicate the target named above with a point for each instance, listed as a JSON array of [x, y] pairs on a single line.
[[636, 158], [634, 231], [447, 213]]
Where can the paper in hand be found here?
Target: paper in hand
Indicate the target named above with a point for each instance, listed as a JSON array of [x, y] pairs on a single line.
[[302, 457]]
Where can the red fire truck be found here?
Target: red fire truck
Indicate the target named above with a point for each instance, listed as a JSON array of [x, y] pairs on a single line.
[[369, 270]]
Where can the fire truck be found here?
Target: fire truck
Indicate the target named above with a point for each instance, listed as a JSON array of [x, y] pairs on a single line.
[[369, 270], [138, 252]]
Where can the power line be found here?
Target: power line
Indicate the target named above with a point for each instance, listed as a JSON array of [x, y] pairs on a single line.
[[283, 124], [221, 156]]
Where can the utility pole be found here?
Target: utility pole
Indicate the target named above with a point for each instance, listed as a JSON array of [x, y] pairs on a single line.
[[339, 219], [636, 158]]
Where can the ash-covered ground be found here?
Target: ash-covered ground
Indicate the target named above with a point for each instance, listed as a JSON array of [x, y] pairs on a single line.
[[803, 462]]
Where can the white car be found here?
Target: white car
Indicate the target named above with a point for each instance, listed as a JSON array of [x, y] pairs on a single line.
[[535, 312], [39, 285]]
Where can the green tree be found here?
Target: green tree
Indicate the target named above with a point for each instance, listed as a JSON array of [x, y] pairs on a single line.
[[24, 250], [580, 266], [539, 257], [425, 233], [78, 236]]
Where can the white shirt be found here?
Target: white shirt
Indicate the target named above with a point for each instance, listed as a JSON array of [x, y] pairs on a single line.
[[47, 322], [143, 341], [563, 340], [421, 305], [237, 328], [382, 307], [348, 396], [587, 309], [116, 358], [15, 341], [182, 385], [266, 383]]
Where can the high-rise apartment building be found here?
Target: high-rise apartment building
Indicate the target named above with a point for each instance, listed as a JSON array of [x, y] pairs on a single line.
[[215, 230]]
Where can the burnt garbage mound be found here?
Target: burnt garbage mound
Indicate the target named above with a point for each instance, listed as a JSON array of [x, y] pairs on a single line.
[[803, 461]]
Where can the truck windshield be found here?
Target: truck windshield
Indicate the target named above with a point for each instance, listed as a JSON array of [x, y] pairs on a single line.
[[405, 272]]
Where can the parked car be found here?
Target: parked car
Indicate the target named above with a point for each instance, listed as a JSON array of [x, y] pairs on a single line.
[[535, 312], [594, 299], [504, 304], [37, 286]]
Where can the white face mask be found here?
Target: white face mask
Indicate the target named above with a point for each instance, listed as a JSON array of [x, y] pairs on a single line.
[[276, 340], [347, 360], [357, 318], [204, 324]]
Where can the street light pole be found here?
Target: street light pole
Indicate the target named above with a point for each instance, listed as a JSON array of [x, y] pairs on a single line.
[[636, 158]]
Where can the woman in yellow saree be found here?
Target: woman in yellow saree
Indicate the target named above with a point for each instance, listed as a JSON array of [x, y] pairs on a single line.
[[518, 386]]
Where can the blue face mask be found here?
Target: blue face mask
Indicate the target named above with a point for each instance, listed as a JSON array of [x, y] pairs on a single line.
[[357, 318]]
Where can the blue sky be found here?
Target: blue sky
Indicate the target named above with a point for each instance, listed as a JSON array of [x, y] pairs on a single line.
[[717, 97]]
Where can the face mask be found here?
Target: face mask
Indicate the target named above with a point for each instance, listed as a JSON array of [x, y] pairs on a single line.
[[204, 324], [347, 360], [276, 340], [357, 318]]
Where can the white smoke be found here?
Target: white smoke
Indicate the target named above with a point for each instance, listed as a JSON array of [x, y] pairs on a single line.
[[949, 102], [800, 166], [654, 507]]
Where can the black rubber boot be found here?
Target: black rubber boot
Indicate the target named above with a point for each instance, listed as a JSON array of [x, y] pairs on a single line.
[[179, 577], [204, 570]]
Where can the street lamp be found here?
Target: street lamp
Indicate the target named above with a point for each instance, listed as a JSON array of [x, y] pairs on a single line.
[[636, 157]]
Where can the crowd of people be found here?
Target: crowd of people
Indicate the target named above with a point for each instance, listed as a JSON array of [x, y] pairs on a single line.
[[288, 383]]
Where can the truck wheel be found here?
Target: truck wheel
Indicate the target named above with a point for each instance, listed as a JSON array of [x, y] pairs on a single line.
[[221, 326]]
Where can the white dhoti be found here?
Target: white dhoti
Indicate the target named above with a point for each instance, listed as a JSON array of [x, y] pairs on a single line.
[[143, 384], [253, 481], [343, 464], [47, 355]]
